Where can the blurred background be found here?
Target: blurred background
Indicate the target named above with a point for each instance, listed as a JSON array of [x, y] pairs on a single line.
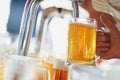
[[10, 15], [4, 14], [10, 19]]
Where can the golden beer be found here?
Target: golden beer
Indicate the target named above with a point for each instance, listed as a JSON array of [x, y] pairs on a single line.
[[2, 66], [81, 43], [1, 71], [48, 64], [60, 74], [60, 70]]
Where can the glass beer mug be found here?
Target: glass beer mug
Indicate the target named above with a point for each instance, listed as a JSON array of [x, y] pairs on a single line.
[[82, 41], [24, 68], [60, 70]]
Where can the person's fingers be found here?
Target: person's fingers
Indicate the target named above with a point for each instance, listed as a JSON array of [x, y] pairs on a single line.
[[100, 51], [102, 38], [100, 33], [102, 45], [113, 50]]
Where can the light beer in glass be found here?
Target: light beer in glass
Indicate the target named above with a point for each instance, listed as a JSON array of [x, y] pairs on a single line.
[[82, 41]]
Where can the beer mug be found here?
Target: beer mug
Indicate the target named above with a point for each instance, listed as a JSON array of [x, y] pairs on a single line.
[[82, 41], [24, 68], [60, 71]]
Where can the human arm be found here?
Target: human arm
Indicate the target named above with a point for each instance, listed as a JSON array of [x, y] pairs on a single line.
[[114, 49]]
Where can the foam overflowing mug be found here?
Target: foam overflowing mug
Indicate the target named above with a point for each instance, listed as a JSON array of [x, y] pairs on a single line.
[[82, 41]]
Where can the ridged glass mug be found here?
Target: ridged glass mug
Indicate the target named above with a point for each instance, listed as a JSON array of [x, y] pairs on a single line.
[[82, 41]]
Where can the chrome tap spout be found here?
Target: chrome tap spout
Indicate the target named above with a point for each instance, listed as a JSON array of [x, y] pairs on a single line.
[[30, 16], [27, 25]]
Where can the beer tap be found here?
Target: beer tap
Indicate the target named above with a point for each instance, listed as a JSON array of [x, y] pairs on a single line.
[[29, 20], [75, 8], [50, 12], [75, 5], [27, 25]]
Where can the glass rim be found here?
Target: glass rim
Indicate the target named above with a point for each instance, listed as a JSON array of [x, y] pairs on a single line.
[[83, 20], [87, 21]]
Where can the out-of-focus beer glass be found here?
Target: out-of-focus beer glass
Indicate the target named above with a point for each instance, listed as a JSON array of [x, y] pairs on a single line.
[[60, 70], [84, 72], [82, 41], [2, 64], [24, 68], [47, 62]]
